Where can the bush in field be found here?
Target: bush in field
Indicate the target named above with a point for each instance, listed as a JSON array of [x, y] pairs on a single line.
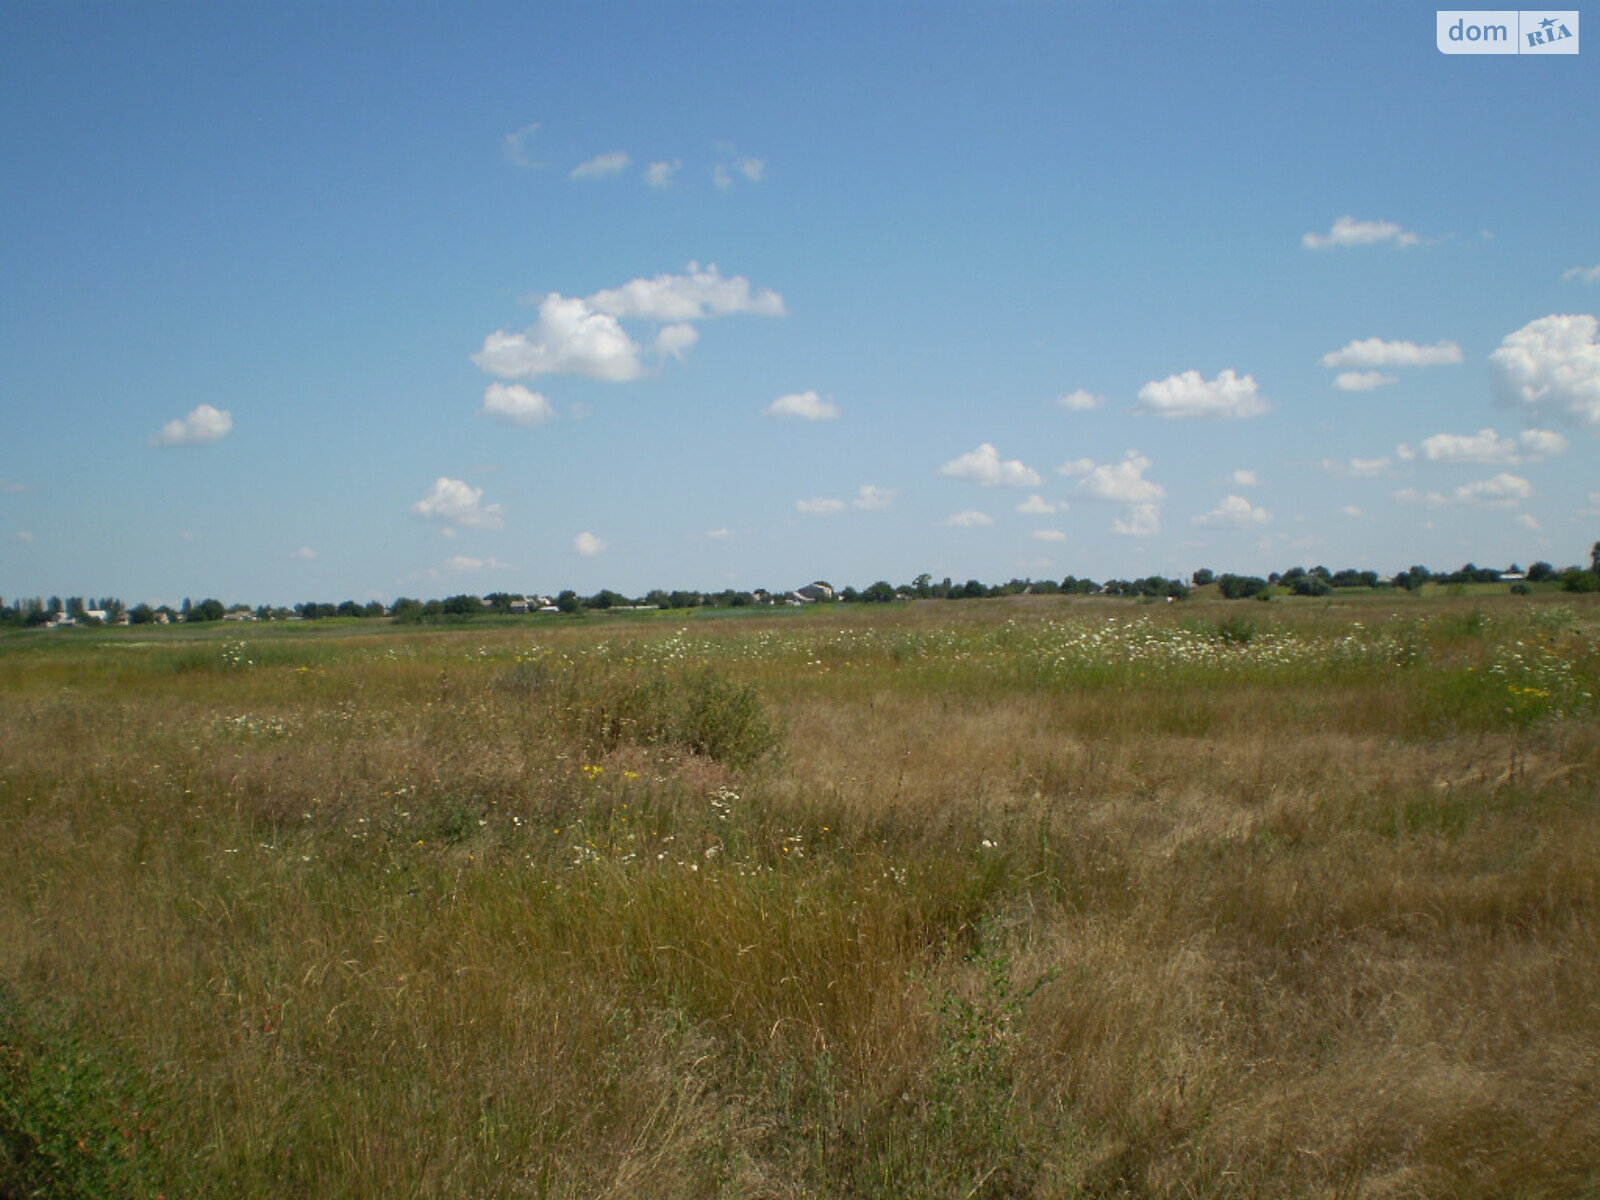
[[700, 711]]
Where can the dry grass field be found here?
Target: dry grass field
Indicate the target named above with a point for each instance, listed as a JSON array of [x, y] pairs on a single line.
[[1028, 898]]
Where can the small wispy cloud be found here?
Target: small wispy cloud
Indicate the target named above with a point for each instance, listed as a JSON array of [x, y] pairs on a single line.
[[602, 166], [803, 406], [660, 174], [305, 554], [1582, 274], [1347, 231], [513, 404], [201, 427], [873, 498], [1080, 401], [515, 146], [1375, 352], [454, 502], [820, 506], [588, 545], [970, 519], [985, 467]]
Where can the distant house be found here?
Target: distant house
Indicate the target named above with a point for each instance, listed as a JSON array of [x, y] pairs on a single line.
[[519, 604], [812, 592]]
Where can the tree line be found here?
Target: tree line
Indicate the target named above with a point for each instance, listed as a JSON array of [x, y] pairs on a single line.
[[1296, 581]]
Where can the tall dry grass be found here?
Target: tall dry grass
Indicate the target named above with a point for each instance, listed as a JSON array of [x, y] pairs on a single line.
[[1039, 898]]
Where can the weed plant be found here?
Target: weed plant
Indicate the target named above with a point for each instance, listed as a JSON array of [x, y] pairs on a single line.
[[1039, 897]]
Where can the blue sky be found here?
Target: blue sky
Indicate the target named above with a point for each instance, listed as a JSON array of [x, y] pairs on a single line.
[[357, 301]]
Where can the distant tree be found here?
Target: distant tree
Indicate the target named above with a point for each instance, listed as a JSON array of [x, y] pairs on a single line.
[[462, 605], [206, 610], [1204, 576], [1575, 579], [1310, 585], [922, 586], [348, 608], [849, 596], [1541, 572], [1240, 587], [1594, 559], [568, 602], [881, 592]]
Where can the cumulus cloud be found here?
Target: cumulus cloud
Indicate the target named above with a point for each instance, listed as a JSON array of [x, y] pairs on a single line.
[[1237, 512], [205, 424], [603, 166], [570, 338], [1120, 482], [1143, 520], [1080, 401], [1350, 510], [1347, 231], [513, 404], [1502, 491], [1244, 478], [515, 147], [984, 466], [1186, 396], [1487, 446], [695, 296], [820, 506], [1037, 504], [1582, 274], [456, 503], [583, 335], [1048, 535], [1375, 352], [1551, 367], [305, 554], [970, 519], [873, 498], [675, 340], [1362, 381], [802, 406], [587, 544], [659, 174], [1528, 521]]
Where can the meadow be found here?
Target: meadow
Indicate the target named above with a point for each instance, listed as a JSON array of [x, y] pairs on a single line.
[[1038, 897]]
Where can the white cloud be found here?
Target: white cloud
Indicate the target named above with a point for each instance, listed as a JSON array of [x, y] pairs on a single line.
[[587, 544], [696, 296], [454, 502], [22, 535], [602, 166], [719, 535], [1359, 466], [674, 340], [1080, 401], [1237, 512], [1582, 274], [1350, 510], [970, 519], [1048, 535], [1120, 482], [205, 424], [1226, 397], [571, 338], [1487, 446], [1144, 520], [463, 562], [1502, 491], [513, 404], [584, 335], [659, 174], [515, 146], [1551, 366], [1038, 504], [804, 406], [1244, 478], [985, 467], [873, 498], [753, 169], [1347, 231], [820, 506], [1375, 352], [305, 553], [1362, 381], [1528, 521]]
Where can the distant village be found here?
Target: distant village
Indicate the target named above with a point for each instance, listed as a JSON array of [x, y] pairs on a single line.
[[75, 611]]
